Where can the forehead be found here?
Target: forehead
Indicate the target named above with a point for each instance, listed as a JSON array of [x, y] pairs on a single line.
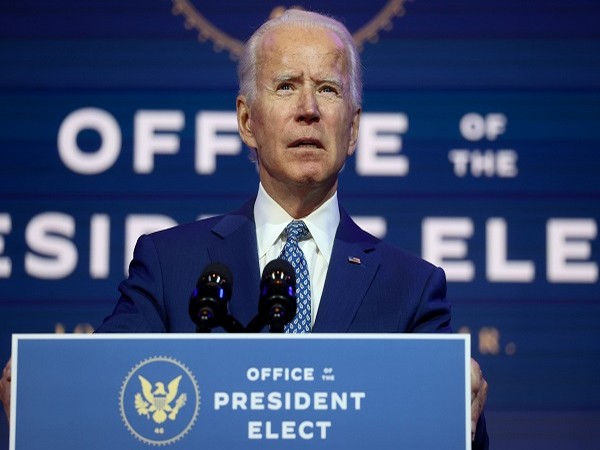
[[300, 48]]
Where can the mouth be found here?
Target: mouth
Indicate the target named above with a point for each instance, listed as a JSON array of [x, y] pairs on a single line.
[[306, 143]]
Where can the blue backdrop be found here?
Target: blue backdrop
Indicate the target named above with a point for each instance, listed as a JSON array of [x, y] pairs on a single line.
[[479, 150]]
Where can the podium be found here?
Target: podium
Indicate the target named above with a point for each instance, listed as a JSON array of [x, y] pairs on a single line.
[[241, 391]]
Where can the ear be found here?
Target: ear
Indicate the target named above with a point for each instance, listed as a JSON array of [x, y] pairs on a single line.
[[354, 132], [244, 121]]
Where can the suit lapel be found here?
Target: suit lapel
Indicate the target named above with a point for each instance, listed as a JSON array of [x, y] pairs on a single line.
[[237, 249], [354, 263]]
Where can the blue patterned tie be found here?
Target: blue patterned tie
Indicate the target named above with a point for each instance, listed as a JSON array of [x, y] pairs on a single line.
[[291, 252]]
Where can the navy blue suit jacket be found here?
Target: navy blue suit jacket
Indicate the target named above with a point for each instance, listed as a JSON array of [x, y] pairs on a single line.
[[370, 285]]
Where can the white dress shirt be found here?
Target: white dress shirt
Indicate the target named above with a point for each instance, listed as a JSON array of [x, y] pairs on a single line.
[[271, 220]]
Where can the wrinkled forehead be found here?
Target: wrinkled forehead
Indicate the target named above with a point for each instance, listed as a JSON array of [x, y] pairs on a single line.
[[286, 46]]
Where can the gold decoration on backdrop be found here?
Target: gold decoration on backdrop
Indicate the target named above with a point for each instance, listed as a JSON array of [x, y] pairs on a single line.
[[194, 19]]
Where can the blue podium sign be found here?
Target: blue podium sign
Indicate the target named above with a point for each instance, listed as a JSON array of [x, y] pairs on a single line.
[[241, 392]]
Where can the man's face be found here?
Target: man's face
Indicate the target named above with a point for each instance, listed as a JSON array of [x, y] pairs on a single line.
[[301, 122]]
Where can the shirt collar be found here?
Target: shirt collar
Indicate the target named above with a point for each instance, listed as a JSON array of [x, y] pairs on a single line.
[[271, 220]]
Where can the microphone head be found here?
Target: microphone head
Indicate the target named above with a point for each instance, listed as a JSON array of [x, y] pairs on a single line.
[[277, 302], [208, 302], [280, 268], [219, 273]]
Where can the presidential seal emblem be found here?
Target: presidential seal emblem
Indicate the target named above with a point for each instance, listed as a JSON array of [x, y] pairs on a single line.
[[219, 23], [159, 400]]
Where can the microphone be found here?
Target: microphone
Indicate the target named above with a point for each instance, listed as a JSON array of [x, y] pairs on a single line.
[[277, 302], [209, 301]]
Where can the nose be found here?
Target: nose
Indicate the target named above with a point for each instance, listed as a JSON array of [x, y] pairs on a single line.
[[308, 107]]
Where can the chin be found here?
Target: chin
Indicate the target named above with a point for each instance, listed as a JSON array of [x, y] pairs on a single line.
[[309, 177], [312, 181]]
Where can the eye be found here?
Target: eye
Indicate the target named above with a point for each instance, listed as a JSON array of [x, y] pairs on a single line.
[[328, 89], [285, 87]]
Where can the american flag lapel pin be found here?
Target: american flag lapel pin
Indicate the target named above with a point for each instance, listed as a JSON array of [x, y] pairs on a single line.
[[354, 259]]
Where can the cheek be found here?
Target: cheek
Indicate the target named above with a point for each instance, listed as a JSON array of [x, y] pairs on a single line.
[[343, 137], [266, 128]]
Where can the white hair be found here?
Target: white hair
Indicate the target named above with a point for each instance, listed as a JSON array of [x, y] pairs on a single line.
[[247, 66]]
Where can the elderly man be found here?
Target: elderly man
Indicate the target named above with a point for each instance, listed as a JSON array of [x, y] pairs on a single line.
[[299, 110]]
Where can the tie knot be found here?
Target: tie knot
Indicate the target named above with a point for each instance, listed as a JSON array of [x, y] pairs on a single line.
[[296, 229]]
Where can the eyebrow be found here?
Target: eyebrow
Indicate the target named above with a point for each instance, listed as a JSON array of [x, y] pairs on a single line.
[[286, 77], [296, 78], [333, 81]]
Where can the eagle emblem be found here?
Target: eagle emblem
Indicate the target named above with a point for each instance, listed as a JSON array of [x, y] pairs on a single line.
[[157, 411], [156, 402]]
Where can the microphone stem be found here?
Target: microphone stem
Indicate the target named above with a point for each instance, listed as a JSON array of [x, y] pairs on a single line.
[[231, 325], [276, 328], [256, 325]]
